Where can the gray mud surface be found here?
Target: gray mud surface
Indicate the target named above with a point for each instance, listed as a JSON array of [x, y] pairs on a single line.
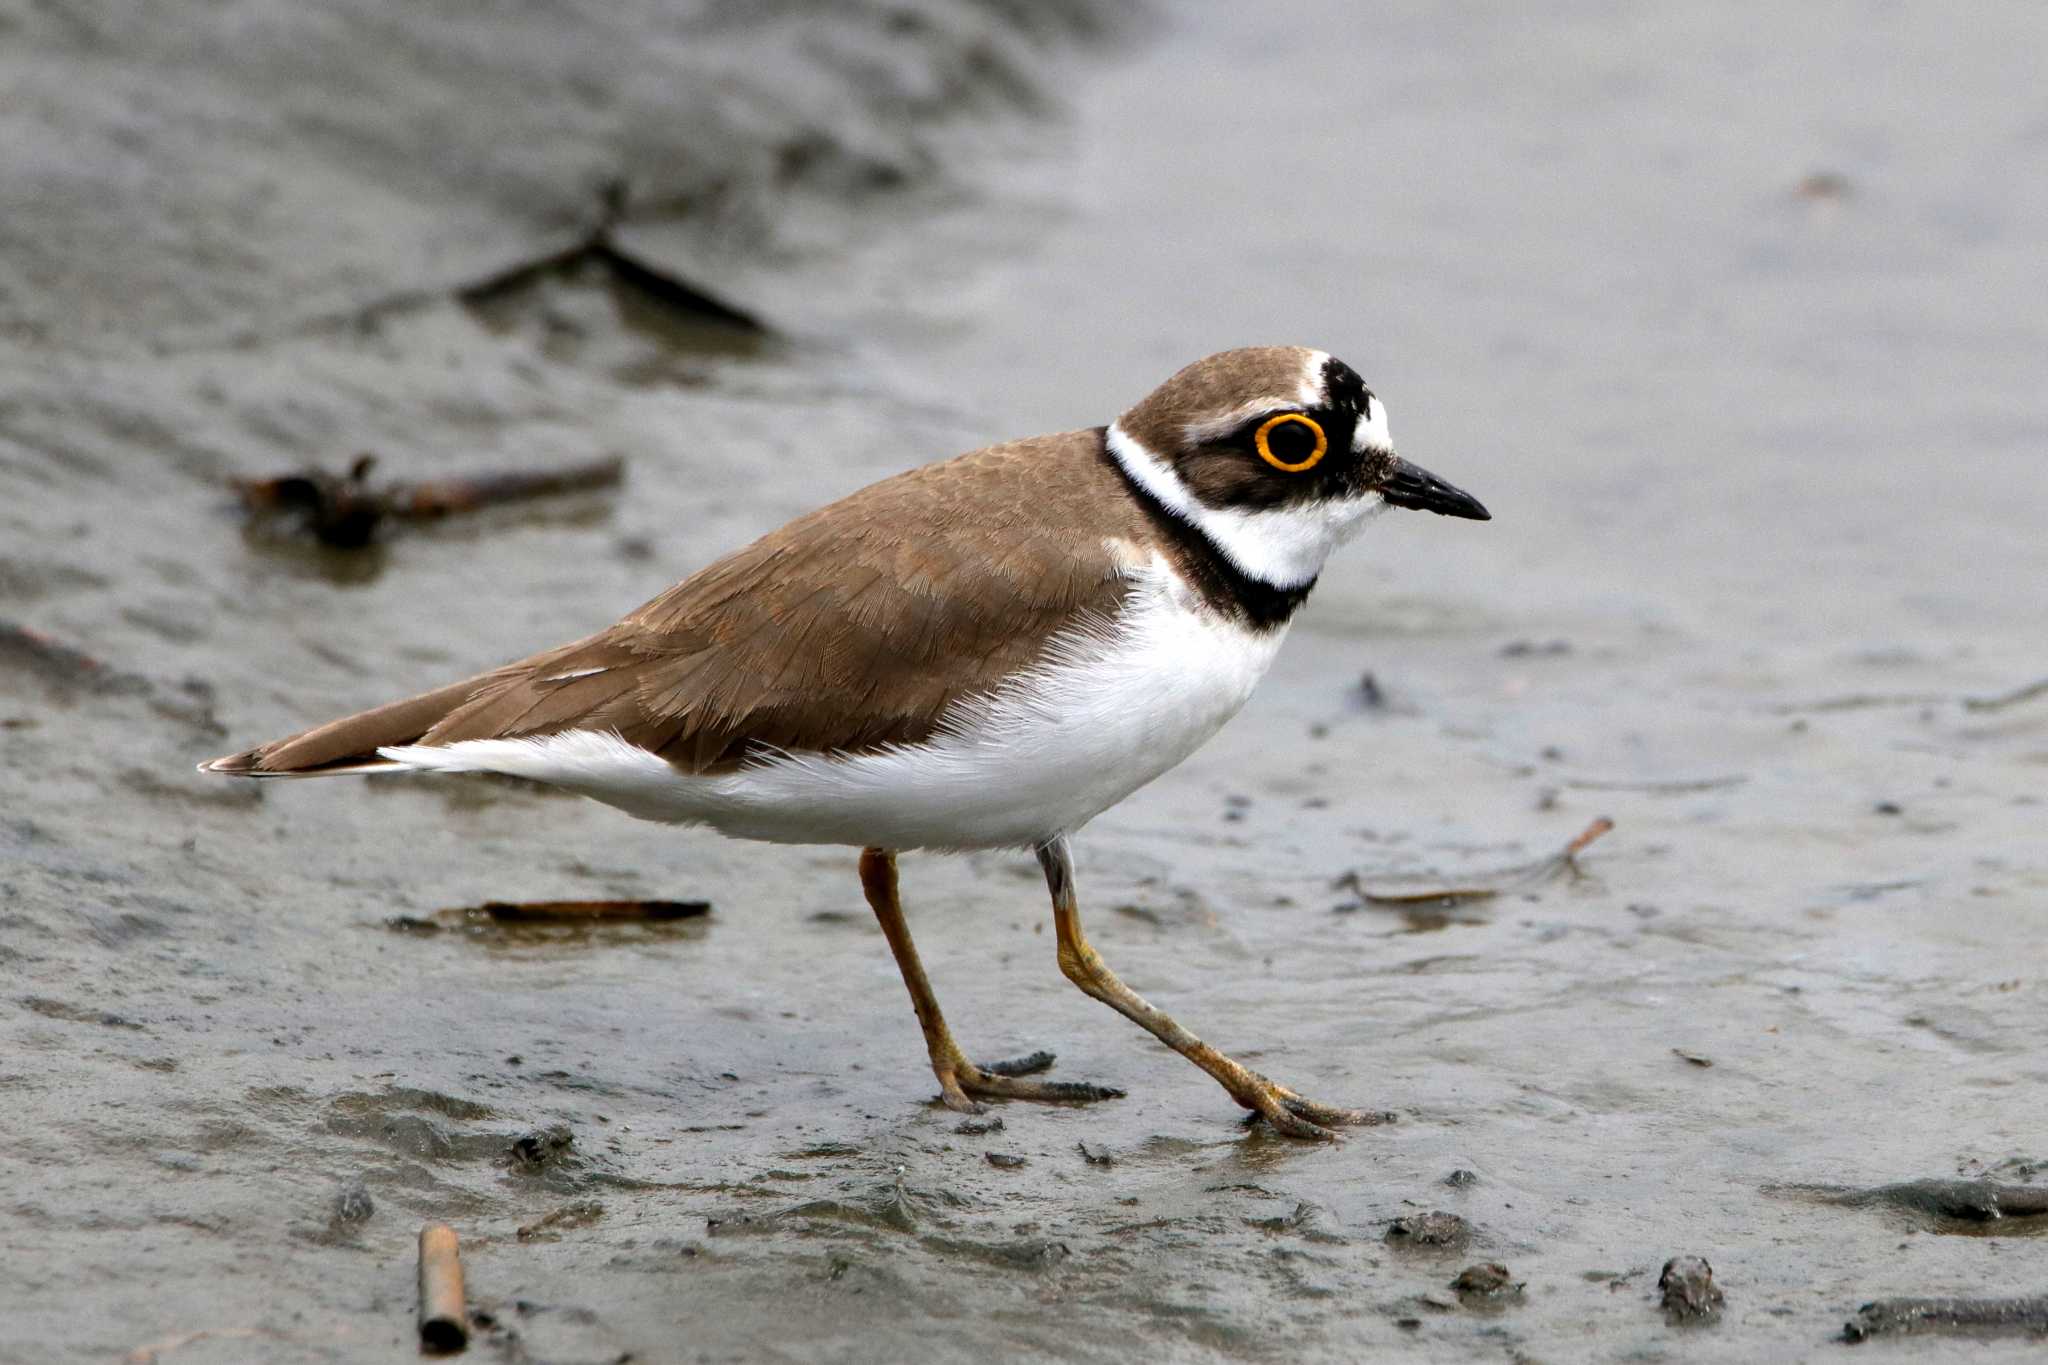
[[1734, 324]]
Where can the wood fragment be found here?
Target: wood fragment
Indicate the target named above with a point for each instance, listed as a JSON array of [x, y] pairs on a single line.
[[444, 1321], [1824, 186], [549, 1228], [592, 912], [1935, 1200], [439, 497], [1957, 1317], [2005, 699], [1485, 885], [1860, 701], [1661, 787], [600, 246], [338, 509], [344, 511]]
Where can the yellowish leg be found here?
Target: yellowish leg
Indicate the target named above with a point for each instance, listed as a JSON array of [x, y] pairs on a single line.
[[1288, 1112], [961, 1082]]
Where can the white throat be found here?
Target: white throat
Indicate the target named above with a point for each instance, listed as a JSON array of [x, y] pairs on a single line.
[[1283, 547]]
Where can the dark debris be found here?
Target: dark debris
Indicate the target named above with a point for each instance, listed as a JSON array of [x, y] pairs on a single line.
[[344, 511], [1949, 1317], [542, 1146], [1434, 1229], [1486, 1281], [1687, 1292]]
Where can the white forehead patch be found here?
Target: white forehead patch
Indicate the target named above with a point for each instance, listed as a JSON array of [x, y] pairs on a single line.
[[1314, 391], [1311, 391], [1371, 431]]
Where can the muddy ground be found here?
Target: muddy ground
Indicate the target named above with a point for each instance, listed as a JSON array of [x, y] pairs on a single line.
[[1733, 325]]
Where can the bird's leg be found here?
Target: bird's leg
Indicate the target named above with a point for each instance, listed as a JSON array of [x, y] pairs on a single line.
[[1279, 1106], [961, 1082]]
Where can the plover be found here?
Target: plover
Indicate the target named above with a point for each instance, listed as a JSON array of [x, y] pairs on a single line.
[[986, 652]]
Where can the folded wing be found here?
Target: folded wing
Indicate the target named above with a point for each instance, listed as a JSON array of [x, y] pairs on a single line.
[[849, 629]]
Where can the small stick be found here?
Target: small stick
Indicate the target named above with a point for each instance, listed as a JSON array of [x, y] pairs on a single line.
[[1485, 886], [1958, 1317], [591, 912], [444, 1323], [344, 511], [439, 497], [1674, 785], [1593, 831], [2012, 698]]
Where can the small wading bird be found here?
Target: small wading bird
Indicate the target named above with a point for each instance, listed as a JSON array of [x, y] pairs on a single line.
[[987, 652]]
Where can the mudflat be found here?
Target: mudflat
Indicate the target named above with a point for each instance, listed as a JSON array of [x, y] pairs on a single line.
[[1730, 327]]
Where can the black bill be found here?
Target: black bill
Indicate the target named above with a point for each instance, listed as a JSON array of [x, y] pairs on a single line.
[[1409, 485]]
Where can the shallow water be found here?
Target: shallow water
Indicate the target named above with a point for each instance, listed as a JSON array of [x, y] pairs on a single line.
[[1763, 454]]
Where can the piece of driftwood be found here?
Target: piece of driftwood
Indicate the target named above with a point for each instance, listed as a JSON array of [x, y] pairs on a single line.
[[592, 912], [444, 1320], [344, 510], [1480, 886]]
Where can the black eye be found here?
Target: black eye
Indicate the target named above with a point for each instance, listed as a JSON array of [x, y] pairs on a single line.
[[1291, 442]]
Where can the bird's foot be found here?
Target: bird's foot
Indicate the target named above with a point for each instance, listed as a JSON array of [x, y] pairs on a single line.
[[1297, 1116], [962, 1084]]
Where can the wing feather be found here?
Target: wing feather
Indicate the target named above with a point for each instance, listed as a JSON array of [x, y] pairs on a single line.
[[855, 627]]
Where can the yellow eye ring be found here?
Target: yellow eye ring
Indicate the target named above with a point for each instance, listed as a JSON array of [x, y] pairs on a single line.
[[1310, 461]]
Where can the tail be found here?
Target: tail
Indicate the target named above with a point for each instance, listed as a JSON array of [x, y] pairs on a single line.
[[350, 745]]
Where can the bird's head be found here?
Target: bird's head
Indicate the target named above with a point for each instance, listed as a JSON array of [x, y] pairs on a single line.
[[1278, 454]]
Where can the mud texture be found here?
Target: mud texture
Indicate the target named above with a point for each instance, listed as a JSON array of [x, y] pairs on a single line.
[[1732, 327]]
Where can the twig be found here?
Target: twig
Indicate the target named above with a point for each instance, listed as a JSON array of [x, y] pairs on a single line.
[[2005, 699], [590, 912], [1968, 1317], [1663, 786], [444, 1321], [1967, 1201], [601, 247], [439, 497], [1859, 701], [344, 511], [1485, 885]]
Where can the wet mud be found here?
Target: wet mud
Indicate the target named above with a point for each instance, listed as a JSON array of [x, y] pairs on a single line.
[[1730, 331]]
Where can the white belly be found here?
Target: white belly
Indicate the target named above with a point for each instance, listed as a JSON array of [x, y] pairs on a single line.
[[1098, 718]]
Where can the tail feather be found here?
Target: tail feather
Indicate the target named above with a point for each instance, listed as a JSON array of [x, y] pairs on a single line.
[[351, 744]]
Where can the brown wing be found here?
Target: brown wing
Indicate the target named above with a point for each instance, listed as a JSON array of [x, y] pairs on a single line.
[[853, 627]]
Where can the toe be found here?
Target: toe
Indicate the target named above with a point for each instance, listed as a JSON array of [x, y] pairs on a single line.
[[1084, 1092], [1290, 1124], [1292, 1115], [1057, 1092], [957, 1100], [1332, 1115], [1019, 1066]]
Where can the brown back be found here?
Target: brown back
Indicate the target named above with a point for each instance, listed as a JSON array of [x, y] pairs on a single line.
[[853, 627]]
